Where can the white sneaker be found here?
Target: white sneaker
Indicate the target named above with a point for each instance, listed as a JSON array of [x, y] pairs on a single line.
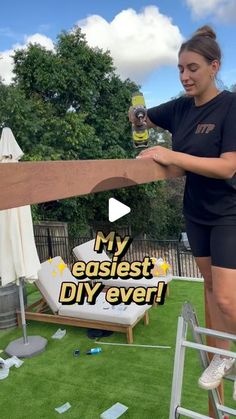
[[216, 370]]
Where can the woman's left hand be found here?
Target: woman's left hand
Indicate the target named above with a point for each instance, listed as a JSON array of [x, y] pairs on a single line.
[[161, 155]]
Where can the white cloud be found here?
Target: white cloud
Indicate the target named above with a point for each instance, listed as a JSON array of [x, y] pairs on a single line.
[[6, 61], [202, 8], [6, 66], [221, 10], [40, 39], [138, 42]]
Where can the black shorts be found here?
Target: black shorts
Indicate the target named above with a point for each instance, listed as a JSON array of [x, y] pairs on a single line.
[[217, 242]]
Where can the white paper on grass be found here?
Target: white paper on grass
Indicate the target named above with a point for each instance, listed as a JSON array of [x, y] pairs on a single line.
[[4, 370], [63, 408], [9, 362], [114, 411], [59, 334], [6, 364]]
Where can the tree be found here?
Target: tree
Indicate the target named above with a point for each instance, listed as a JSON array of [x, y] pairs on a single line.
[[42, 134], [82, 78], [233, 88]]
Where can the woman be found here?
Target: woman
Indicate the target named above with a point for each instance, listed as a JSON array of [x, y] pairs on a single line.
[[203, 127]]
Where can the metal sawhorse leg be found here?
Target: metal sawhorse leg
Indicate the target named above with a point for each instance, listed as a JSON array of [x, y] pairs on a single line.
[[189, 317]]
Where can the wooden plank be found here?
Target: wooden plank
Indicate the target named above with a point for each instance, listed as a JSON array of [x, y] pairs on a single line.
[[34, 182]]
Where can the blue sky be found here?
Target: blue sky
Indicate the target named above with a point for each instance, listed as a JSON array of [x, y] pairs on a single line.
[[143, 36]]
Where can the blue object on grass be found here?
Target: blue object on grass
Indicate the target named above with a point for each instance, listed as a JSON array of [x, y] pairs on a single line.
[[94, 351]]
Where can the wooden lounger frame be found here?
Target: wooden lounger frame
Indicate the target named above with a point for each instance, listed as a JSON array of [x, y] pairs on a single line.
[[41, 314]]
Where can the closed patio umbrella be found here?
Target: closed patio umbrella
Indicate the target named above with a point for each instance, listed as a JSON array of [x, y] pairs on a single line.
[[18, 255]]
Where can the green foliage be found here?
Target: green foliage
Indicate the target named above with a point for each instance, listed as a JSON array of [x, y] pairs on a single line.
[[233, 88], [69, 104]]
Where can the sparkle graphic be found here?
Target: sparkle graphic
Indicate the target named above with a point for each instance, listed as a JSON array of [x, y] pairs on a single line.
[[50, 260], [54, 273], [160, 269], [61, 266], [165, 266], [155, 272]]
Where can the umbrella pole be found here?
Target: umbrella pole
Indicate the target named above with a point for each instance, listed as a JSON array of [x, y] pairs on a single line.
[[27, 346], [22, 310]]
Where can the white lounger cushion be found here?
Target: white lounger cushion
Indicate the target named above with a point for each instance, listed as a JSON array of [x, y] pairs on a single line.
[[130, 282], [86, 253], [50, 279], [105, 312], [49, 283]]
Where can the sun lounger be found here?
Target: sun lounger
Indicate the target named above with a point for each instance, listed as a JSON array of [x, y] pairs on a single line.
[[86, 253], [101, 315]]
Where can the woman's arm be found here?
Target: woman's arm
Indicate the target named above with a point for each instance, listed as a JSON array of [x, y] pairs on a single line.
[[150, 124], [223, 167]]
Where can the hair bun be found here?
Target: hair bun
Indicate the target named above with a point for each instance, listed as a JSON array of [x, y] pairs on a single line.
[[205, 31]]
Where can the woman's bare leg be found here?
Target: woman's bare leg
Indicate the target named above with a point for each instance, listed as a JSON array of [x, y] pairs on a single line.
[[220, 303], [217, 321], [224, 291]]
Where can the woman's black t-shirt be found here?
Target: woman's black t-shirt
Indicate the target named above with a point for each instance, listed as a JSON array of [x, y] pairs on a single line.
[[204, 131]]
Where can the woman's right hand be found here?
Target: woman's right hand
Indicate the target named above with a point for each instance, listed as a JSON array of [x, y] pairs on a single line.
[[132, 114], [136, 122]]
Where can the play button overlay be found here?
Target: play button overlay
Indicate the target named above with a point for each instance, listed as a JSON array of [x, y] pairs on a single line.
[[117, 210]]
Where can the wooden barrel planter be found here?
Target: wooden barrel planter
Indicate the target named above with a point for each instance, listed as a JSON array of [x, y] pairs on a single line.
[[9, 303]]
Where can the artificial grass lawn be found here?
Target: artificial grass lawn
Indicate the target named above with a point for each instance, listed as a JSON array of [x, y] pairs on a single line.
[[140, 378]]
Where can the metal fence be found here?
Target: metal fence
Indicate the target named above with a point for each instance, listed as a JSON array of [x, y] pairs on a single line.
[[181, 261]]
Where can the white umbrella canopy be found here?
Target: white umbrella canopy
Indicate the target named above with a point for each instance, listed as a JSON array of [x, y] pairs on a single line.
[[18, 254], [9, 148]]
